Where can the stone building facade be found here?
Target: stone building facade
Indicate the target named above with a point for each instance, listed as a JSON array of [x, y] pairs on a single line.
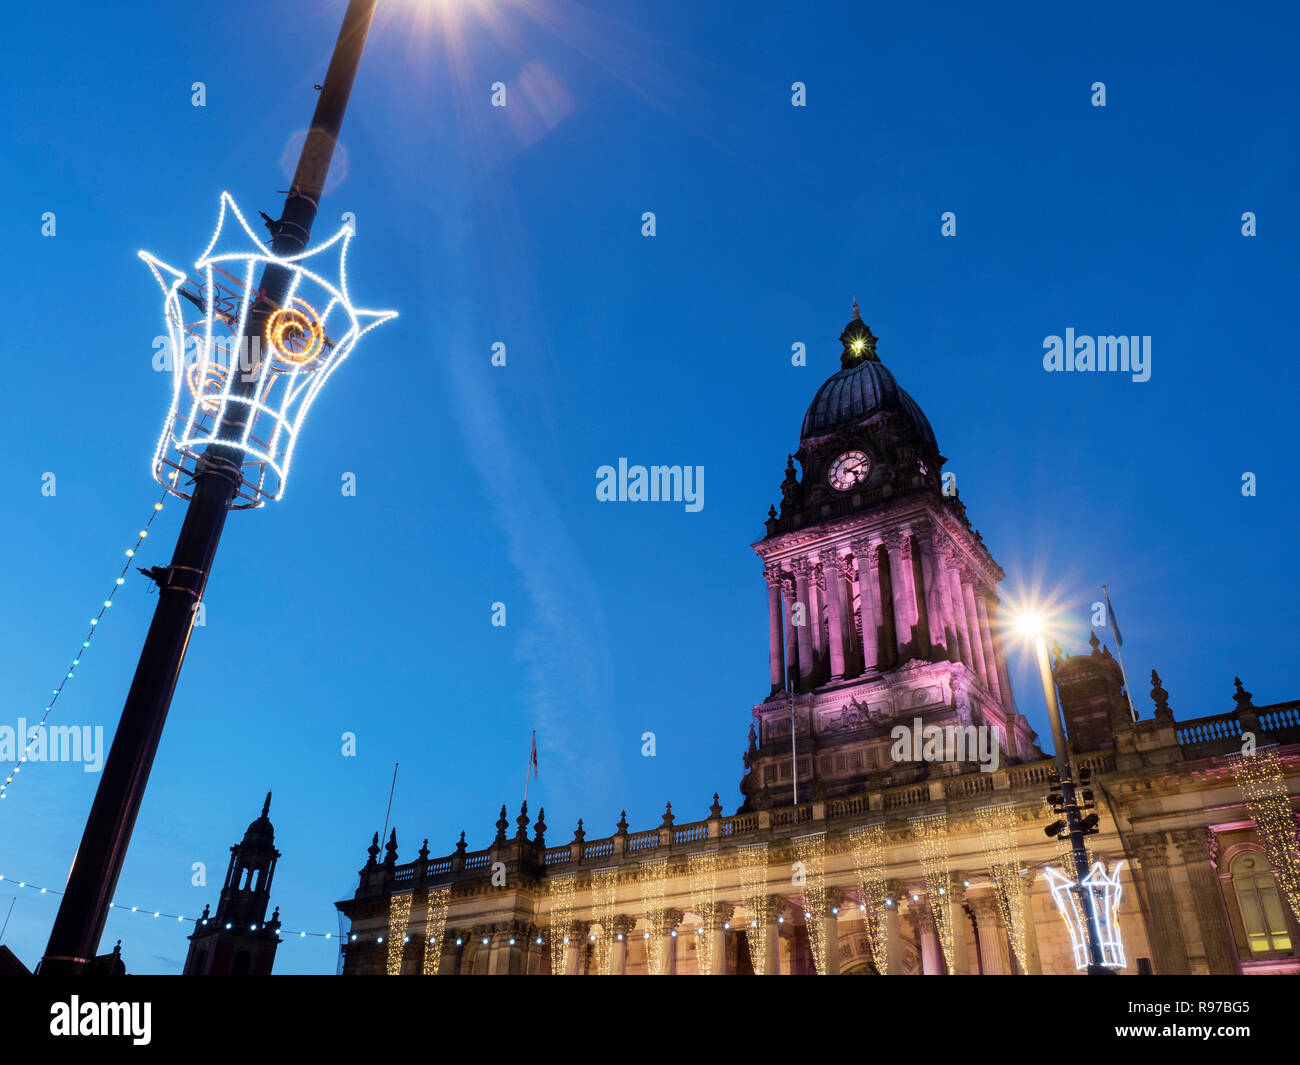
[[850, 854]]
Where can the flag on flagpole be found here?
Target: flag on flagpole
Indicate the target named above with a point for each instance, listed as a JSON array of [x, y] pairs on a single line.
[[1114, 624], [532, 756]]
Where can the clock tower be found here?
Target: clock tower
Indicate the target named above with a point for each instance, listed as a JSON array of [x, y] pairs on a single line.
[[882, 604]]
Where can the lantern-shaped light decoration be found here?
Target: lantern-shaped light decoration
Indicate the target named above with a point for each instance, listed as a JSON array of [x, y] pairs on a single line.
[[251, 393], [1104, 891]]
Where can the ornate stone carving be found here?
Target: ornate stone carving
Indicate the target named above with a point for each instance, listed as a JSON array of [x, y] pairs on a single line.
[[855, 715]]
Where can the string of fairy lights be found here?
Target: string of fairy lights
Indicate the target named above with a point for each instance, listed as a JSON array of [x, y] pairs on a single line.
[[562, 890], [604, 886], [702, 869], [147, 911], [753, 892], [810, 852], [931, 834], [997, 824], [653, 877], [37, 732], [868, 843], [1263, 785]]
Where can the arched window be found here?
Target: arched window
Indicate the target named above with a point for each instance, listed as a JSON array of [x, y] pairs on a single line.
[[1259, 903]]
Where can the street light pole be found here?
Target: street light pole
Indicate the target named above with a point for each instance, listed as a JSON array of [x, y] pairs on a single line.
[[99, 859], [1073, 817]]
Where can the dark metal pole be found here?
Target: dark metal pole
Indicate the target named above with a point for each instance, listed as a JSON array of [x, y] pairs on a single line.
[[1073, 816], [98, 862]]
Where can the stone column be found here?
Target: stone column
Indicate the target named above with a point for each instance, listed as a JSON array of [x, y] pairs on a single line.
[[672, 919], [893, 960], [900, 583], [943, 589], [868, 601], [1194, 845], [964, 644], [817, 611], [807, 664], [1170, 954], [835, 613], [961, 962], [973, 627], [933, 606], [932, 961], [986, 640], [791, 631], [994, 955], [1033, 962], [1004, 680], [722, 913], [775, 648], [499, 953], [623, 926], [772, 905], [831, 930], [578, 933]]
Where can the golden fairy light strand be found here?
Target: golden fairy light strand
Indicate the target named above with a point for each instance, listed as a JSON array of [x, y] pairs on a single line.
[[76, 660], [810, 856], [868, 843], [1263, 784], [604, 886], [435, 928], [932, 838], [753, 891], [997, 826], [653, 876], [399, 916], [561, 891], [702, 870]]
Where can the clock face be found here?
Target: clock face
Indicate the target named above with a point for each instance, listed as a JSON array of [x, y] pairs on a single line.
[[849, 469]]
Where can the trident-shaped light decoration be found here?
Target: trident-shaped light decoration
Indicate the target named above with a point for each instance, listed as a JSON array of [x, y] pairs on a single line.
[[1105, 892], [274, 377]]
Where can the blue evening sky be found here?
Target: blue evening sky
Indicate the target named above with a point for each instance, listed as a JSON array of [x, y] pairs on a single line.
[[476, 484]]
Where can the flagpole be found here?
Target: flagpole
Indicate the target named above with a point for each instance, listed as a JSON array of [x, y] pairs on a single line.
[[528, 769], [1119, 654]]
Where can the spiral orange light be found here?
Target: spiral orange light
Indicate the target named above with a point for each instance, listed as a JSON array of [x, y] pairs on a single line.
[[206, 385], [295, 333]]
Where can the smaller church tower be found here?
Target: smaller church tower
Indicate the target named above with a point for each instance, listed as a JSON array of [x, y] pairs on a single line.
[[238, 940]]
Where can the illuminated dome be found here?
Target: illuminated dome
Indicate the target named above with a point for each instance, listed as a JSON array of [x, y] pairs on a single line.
[[861, 390]]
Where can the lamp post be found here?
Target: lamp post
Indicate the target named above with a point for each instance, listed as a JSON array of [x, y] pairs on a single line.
[[99, 859], [1032, 626]]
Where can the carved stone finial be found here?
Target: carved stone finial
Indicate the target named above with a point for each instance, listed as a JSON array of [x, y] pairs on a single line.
[[390, 849], [668, 817], [502, 825], [1242, 697], [462, 846], [1094, 643], [373, 851], [579, 833], [715, 809], [622, 823], [539, 827], [1160, 697], [522, 821], [424, 851]]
